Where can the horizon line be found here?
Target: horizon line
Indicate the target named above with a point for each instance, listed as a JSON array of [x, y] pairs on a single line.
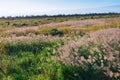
[[46, 15]]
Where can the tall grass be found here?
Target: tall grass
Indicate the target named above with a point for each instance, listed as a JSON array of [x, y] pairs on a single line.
[[28, 59]]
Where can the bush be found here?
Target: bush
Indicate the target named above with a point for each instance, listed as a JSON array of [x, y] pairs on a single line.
[[35, 24], [17, 73], [55, 32], [81, 33], [84, 51]]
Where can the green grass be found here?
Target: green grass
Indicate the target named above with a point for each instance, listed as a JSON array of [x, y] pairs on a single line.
[[28, 60]]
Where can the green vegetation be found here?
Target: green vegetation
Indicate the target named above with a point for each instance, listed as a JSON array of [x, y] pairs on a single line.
[[71, 47], [54, 32], [23, 60], [26, 60], [33, 60]]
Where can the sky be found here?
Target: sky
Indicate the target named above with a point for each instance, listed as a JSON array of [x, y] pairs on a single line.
[[51, 7]]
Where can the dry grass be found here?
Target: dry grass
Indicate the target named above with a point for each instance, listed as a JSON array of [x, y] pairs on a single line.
[[68, 27]]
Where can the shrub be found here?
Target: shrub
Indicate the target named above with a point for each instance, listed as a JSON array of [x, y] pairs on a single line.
[[55, 32], [84, 51], [81, 33], [17, 73], [35, 24]]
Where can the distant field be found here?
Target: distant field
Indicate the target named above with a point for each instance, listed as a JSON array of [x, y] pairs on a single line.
[[60, 48], [39, 20], [66, 28]]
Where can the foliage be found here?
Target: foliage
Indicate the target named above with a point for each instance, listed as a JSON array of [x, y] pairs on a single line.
[[60, 51], [26, 60], [54, 32]]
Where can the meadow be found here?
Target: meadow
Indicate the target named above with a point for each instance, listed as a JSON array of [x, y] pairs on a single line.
[[73, 47]]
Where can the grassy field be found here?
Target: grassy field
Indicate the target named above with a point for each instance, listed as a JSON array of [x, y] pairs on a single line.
[[60, 48]]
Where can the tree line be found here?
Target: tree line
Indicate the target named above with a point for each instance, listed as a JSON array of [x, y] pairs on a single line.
[[60, 15]]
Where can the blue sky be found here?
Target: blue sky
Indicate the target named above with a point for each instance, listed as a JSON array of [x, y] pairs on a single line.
[[39, 7]]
